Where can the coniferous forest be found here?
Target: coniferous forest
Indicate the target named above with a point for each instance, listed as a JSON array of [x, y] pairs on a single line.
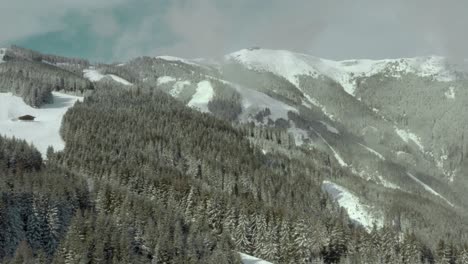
[[144, 179]]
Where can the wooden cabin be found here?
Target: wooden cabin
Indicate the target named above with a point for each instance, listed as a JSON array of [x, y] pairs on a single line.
[[27, 118]]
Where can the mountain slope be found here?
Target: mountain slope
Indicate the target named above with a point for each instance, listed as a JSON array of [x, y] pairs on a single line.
[[282, 156]]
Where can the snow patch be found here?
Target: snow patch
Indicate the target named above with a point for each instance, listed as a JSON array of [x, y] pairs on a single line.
[[178, 87], [406, 136], [316, 103], [165, 79], [450, 94], [202, 96], [330, 128], [177, 59], [299, 134], [95, 76], [247, 259], [335, 153], [279, 62], [373, 151], [428, 188], [2, 54], [387, 184], [357, 211], [254, 101], [42, 132]]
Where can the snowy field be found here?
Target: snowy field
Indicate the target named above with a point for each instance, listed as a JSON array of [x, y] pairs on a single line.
[[247, 259], [44, 130]]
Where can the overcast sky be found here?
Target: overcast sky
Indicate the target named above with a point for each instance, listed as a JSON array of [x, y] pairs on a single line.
[[336, 29]]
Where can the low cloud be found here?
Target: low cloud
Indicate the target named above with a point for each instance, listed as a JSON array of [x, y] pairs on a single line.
[[336, 29]]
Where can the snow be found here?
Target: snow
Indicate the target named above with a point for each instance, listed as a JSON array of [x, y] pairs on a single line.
[[247, 259], [177, 59], [165, 79], [357, 212], [290, 65], [202, 96], [317, 104], [450, 94], [429, 189], [178, 87], [2, 54], [387, 184], [280, 62], [406, 136], [254, 101], [298, 133], [95, 76], [335, 153], [330, 128], [373, 151], [42, 132]]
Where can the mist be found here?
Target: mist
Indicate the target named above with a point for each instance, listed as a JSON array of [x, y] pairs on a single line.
[[336, 29]]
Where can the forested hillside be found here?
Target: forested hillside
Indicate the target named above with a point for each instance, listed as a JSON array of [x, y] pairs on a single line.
[[144, 178]]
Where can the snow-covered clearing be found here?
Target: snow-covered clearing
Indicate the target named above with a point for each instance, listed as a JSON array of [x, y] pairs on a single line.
[[428, 188], [373, 151], [42, 132], [247, 259], [202, 96], [165, 79], [358, 212], [95, 76]]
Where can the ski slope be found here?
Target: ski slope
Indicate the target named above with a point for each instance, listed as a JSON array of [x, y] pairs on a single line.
[[202, 96], [42, 132], [357, 211], [290, 65], [95, 76]]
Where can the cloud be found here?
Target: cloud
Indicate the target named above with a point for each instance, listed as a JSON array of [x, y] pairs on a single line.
[[210, 28], [443, 24], [24, 18], [336, 29]]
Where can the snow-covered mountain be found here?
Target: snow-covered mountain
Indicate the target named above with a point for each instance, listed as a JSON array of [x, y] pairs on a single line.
[[369, 115], [290, 65], [394, 124]]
